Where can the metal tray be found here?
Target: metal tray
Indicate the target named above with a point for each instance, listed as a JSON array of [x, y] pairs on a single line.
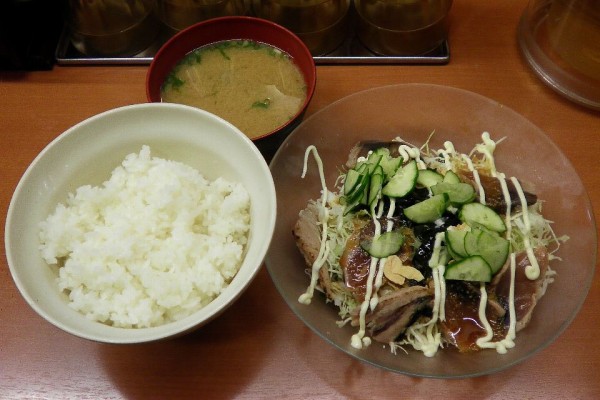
[[349, 52]]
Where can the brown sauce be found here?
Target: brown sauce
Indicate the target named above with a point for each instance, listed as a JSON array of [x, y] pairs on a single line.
[[356, 262], [463, 326]]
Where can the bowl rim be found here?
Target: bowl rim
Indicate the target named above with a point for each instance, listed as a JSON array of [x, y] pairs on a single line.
[[309, 75], [172, 329]]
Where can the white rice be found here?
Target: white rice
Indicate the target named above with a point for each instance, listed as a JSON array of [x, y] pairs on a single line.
[[153, 244]]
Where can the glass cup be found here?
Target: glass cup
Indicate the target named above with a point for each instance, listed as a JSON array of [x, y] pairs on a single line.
[[179, 14], [112, 27], [402, 27], [321, 24], [560, 40]]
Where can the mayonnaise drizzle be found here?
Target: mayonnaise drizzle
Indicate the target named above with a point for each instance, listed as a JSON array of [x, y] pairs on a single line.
[[424, 336], [408, 152], [487, 148], [503, 345], [374, 279], [359, 340], [306, 297], [440, 284], [532, 271], [472, 168], [448, 149], [379, 279]]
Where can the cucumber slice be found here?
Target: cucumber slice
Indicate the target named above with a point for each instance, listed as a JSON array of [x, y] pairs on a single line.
[[452, 254], [471, 238], [373, 162], [382, 157], [382, 152], [403, 181], [383, 245], [473, 268], [364, 198], [362, 167], [357, 195], [428, 178], [478, 214], [353, 178], [350, 206], [390, 165], [494, 249], [375, 187], [359, 188], [458, 193], [451, 177], [427, 210], [455, 239]]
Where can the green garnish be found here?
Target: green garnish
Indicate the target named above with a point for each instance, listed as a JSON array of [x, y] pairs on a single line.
[[262, 103], [222, 51], [174, 81], [195, 57]]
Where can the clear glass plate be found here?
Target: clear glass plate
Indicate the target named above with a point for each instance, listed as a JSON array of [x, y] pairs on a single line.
[[414, 111]]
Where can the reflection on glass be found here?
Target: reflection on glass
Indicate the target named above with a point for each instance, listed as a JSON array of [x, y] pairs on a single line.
[[574, 32], [321, 24], [560, 39], [402, 27], [179, 14], [112, 27]]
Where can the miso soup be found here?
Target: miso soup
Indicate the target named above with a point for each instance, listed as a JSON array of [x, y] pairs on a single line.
[[254, 86]]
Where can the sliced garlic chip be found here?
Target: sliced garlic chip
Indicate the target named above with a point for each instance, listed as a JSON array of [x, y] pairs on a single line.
[[410, 273], [389, 270], [397, 272]]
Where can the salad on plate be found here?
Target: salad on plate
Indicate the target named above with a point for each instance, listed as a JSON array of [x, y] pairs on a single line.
[[427, 248]]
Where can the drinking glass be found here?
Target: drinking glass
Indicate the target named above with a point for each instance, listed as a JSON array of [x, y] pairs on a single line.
[[321, 24], [402, 27], [179, 14], [112, 27]]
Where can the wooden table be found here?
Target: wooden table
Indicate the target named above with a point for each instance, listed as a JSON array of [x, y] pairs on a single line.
[[258, 348]]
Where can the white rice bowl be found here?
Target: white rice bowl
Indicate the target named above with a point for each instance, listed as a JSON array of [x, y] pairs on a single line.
[[138, 276]]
